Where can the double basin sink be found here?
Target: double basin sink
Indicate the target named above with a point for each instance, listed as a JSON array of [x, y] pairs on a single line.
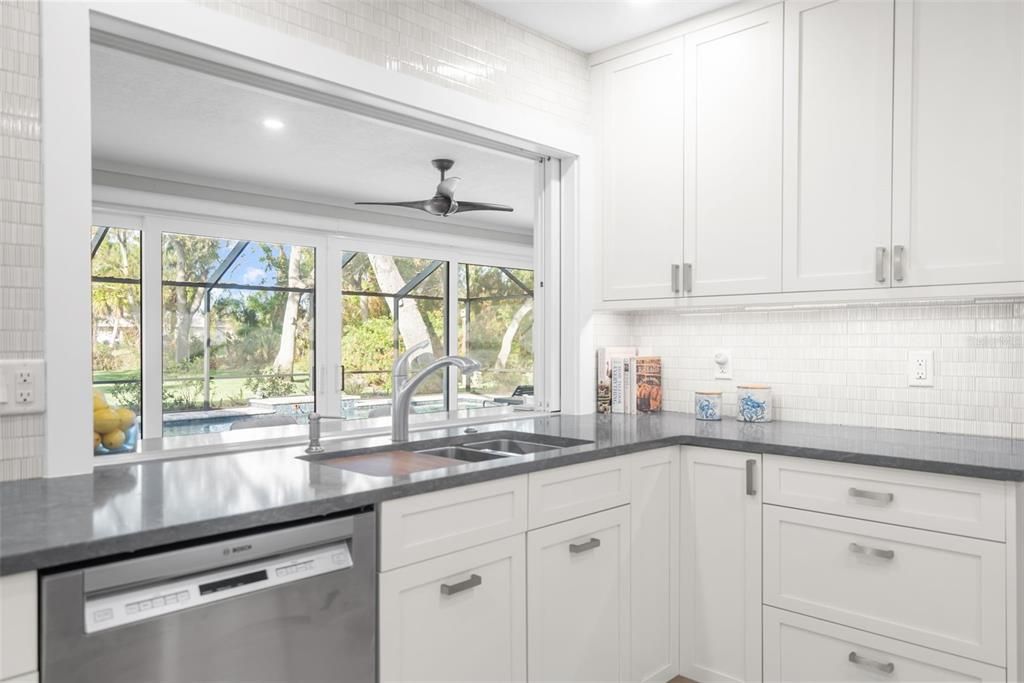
[[502, 447]]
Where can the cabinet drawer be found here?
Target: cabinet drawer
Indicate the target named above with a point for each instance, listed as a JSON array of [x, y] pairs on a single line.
[[576, 490], [434, 524], [460, 617], [798, 649], [936, 590], [937, 502]]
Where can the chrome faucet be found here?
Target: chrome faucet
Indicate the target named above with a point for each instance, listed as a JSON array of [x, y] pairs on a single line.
[[403, 388]]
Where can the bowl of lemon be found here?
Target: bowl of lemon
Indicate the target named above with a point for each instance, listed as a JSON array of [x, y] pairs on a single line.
[[114, 429]]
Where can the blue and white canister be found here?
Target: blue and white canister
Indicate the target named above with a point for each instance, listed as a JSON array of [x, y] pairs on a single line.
[[707, 405], [754, 403]]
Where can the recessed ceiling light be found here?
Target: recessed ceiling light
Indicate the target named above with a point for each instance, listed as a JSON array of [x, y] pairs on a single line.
[[273, 124]]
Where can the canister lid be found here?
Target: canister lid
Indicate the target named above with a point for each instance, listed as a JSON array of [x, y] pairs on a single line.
[[753, 386], [708, 393]]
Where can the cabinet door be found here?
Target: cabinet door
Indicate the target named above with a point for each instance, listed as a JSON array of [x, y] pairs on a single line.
[[642, 161], [654, 566], [733, 153], [459, 617], [837, 225], [720, 561], [959, 142], [578, 599]]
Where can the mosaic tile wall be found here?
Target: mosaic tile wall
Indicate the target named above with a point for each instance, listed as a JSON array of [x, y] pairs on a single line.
[[449, 42], [21, 235], [847, 365]]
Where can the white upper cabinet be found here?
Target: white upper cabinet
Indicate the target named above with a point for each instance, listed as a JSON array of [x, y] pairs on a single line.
[[838, 144], [642, 173], [959, 142], [733, 154]]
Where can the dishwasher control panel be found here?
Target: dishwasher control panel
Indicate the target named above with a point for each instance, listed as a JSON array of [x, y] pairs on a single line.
[[110, 610]]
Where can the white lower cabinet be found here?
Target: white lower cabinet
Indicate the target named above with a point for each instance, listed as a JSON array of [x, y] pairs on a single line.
[[19, 659], [654, 567], [578, 599], [937, 590], [799, 649], [460, 617], [720, 566]]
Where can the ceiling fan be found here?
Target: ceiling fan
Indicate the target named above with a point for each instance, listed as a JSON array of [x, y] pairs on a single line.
[[443, 202]]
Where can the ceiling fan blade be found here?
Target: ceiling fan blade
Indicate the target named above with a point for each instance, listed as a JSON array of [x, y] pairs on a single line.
[[435, 206], [446, 188], [482, 206]]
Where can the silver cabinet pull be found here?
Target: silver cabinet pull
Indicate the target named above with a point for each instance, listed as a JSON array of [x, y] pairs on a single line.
[[897, 262], [873, 552], [687, 277], [880, 264], [473, 581], [886, 668], [751, 486], [676, 268], [871, 495], [576, 548]]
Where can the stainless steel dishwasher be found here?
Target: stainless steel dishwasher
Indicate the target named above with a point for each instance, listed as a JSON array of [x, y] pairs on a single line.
[[293, 604]]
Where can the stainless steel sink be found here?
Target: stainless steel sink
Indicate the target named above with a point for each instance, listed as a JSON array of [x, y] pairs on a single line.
[[513, 446], [463, 453], [502, 445]]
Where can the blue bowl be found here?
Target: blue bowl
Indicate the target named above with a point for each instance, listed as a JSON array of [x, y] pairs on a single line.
[[131, 442]]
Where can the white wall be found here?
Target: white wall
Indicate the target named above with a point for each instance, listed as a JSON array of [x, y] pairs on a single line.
[[447, 42], [847, 365], [21, 233]]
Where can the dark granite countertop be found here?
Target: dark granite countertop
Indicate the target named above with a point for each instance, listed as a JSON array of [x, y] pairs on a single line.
[[121, 509]]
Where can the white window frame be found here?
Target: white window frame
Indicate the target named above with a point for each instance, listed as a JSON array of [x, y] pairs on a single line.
[[225, 41], [280, 228]]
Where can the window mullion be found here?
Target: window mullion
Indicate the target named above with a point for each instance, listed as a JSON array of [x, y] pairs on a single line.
[[451, 318], [152, 334]]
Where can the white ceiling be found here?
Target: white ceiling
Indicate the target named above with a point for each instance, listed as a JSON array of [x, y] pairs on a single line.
[[589, 26], [165, 121]]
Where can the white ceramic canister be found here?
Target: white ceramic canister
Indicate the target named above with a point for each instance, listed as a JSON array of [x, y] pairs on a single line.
[[754, 403], [707, 405]]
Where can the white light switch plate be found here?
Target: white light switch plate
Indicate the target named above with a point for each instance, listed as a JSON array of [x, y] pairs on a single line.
[[22, 387]]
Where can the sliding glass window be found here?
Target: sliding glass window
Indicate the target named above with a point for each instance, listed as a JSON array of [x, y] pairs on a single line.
[[238, 331], [496, 328], [389, 304], [116, 336]]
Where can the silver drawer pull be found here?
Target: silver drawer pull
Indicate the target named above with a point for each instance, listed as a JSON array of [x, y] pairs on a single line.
[[584, 547], [874, 552], [871, 495], [473, 581], [886, 668]]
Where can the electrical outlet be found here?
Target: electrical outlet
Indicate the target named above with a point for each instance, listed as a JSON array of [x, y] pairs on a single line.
[[723, 365], [921, 369], [22, 387]]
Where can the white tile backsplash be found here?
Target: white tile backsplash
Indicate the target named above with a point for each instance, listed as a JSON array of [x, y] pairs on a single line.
[[846, 364], [21, 235]]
